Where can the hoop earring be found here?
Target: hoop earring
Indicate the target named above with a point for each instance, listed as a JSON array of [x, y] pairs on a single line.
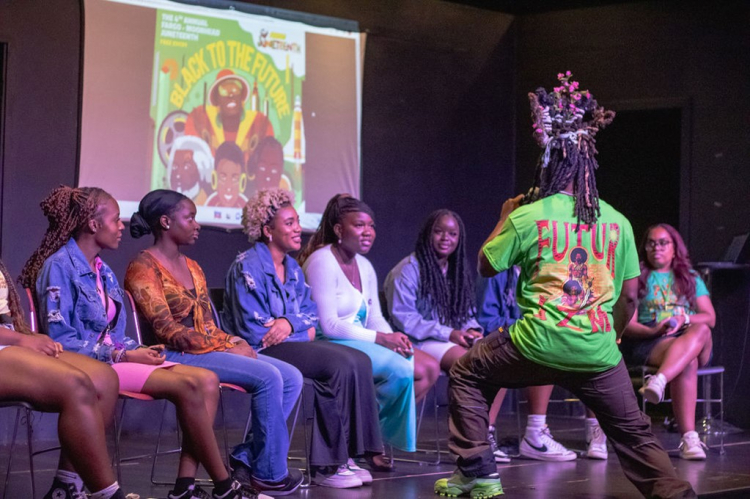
[[214, 180], [270, 238], [243, 182], [339, 242]]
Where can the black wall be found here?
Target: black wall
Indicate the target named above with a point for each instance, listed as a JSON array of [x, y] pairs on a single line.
[[437, 127], [678, 54]]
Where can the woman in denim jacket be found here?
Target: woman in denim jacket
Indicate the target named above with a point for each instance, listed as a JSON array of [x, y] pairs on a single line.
[[81, 306], [269, 304]]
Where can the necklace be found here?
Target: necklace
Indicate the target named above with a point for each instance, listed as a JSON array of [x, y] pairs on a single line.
[[350, 270]]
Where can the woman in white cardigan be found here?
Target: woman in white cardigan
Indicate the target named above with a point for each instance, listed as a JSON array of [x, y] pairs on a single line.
[[345, 288]]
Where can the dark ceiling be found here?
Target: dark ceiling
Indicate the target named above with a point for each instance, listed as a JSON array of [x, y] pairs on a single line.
[[522, 7]]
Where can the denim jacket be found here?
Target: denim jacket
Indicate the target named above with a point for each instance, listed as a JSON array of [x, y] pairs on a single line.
[[496, 299], [70, 309], [255, 295]]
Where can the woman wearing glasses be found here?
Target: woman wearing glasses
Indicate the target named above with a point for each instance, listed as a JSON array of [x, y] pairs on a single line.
[[671, 330]]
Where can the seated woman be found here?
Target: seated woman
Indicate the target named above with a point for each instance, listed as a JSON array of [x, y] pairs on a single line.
[[171, 294], [268, 303], [35, 369], [671, 330], [345, 287], [81, 306], [430, 293]]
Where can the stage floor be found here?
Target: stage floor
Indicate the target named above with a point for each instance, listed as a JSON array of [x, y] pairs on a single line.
[[725, 475]]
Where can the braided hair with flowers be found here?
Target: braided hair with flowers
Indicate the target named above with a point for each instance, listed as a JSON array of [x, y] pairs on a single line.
[[565, 123]]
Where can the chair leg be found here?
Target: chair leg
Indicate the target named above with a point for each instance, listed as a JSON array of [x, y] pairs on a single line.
[[117, 458], [721, 413], [10, 455], [224, 425], [29, 436], [157, 451], [308, 446], [519, 425], [436, 408]]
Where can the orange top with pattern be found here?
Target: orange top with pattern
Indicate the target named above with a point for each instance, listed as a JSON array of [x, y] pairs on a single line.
[[165, 303]]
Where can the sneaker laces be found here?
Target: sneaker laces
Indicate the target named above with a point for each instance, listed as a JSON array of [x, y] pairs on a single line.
[[692, 440], [596, 434], [655, 383], [492, 441], [353, 466], [552, 444], [344, 470]]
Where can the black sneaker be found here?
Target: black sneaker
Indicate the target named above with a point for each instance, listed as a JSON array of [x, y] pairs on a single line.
[[239, 491], [193, 492], [62, 490], [240, 472], [284, 487]]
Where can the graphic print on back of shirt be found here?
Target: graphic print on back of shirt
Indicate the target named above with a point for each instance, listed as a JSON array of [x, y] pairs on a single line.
[[575, 271]]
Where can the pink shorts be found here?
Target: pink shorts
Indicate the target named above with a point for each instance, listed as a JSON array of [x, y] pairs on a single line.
[[133, 375]]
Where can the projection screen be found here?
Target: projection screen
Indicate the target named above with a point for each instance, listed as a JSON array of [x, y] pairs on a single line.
[[218, 102]]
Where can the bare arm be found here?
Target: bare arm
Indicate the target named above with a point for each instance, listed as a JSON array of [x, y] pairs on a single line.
[[625, 306], [485, 267]]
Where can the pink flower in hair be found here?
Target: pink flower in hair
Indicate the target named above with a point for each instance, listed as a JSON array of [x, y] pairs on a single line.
[[560, 76], [568, 73]]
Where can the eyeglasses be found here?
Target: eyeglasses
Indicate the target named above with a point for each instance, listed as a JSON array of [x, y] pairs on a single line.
[[661, 243]]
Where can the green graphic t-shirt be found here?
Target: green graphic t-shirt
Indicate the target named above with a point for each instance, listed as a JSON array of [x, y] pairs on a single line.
[[661, 302], [570, 280]]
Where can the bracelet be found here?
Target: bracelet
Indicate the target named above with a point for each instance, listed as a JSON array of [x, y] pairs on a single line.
[[120, 357]]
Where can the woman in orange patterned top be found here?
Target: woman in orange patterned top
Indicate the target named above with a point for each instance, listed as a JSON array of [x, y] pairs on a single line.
[[171, 293]]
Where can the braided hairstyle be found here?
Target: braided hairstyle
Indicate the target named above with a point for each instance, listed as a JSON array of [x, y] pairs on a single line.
[[68, 211], [338, 206], [565, 123], [452, 294], [14, 303]]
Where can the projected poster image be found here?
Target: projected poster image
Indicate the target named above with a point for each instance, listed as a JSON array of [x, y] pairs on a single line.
[[229, 109], [228, 100]]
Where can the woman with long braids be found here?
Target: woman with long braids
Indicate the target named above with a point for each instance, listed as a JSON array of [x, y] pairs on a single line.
[[671, 329], [171, 293], [35, 369], [430, 293], [81, 306], [345, 288], [268, 303], [570, 320]]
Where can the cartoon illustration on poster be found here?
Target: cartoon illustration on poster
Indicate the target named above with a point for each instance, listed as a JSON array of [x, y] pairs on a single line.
[[227, 104]]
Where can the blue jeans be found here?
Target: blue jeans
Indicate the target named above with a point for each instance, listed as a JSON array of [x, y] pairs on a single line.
[[275, 387]]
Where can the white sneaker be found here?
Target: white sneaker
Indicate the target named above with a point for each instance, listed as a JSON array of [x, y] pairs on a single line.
[[653, 388], [691, 447], [361, 473], [548, 449], [500, 456], [342, 479], [597, 443]]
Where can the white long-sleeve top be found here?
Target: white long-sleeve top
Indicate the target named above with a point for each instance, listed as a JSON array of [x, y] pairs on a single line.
[[339, 302]]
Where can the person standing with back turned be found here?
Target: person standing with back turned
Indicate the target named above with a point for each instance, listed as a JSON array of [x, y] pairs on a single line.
[[570, 321]]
